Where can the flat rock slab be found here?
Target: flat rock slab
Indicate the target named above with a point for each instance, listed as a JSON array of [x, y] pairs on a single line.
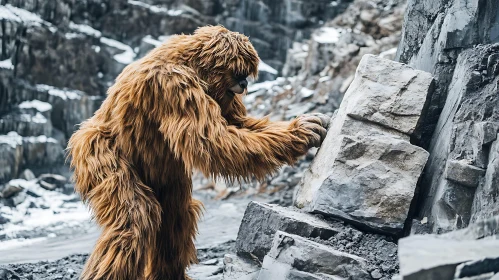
[[295, 257], [261, 221], [433, 257], [372, 182], [366, 170], [236, 267]]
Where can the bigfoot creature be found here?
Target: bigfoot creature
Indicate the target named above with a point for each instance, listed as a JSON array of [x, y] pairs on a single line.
[[177, 109]]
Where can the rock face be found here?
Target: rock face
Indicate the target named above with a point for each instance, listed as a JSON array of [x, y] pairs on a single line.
[[459, 185], [471, 252], [294, 257], [441, 37], [261, 221], [366, 171]]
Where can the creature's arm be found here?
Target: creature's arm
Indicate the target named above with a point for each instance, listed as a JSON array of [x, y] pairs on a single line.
[[192, 124]]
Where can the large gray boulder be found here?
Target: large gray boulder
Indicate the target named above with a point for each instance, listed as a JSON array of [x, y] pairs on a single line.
[[261, 221], [295, 257], [366, 170]]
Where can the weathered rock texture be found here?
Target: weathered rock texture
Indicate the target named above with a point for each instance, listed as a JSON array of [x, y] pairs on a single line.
[[261, 221], [460, 185], [471, 252], [294, 257], [441, 37], [366, 170]]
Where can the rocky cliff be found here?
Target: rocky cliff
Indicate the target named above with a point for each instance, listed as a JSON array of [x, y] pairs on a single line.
[[412, 147]]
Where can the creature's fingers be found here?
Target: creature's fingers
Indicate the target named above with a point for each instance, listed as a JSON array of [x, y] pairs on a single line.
[[317, 118], [314, 140], [325, 119], [318, 131]]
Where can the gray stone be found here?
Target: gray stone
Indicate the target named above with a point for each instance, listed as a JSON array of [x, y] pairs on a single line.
[[483, 229], [240, 268], [485, 203], [372, 182], [261, 221], [52, 181], [489, 266], [11, 156], [292, 253], [389, 94], [463, 173], [463, 134], [366, 170], [9, 190], [433, 257], [27, 175]]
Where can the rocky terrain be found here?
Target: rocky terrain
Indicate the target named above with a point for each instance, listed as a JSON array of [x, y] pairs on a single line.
[[403, 187]]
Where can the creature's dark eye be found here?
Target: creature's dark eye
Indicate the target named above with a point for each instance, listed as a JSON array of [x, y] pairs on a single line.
[[241, 77]]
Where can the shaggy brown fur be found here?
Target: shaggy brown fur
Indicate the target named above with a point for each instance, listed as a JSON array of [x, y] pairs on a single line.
[[168, 113]]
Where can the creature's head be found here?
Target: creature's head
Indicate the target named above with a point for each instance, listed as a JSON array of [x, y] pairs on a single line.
[[224, 60]]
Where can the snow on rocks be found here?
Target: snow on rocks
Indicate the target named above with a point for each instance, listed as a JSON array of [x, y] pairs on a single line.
[[36, 104], [125, 54], [366, 170], [39, 208]]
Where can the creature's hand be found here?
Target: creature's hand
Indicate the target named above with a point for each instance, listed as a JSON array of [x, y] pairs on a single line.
[[313, 127]]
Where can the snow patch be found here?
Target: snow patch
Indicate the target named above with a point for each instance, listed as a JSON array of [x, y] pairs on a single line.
[[151, 41], [64, 94], [305, 92], [156, 9], [58, 208], [126, 57], [327, 35], [12, 139], [37, 104], [71, 36], [86, 29], [40, 139], [6, 64], [388, 53], [262, 66], [263, 85], [10, 12]]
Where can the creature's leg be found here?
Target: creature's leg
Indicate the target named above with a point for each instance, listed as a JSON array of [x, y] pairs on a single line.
[[130, 216], [175, 245]]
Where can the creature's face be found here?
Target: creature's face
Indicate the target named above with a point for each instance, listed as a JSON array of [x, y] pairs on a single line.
[[224, 61]]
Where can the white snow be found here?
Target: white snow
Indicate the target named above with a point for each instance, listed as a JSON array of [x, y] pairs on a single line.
[[71, 36], [64, 94], [263, 85], [5, 13], [151, 41], [305, 92], [324, 79], [388, 53], [327, 35], [156, 9], [10, 12], [12, 139], [262, 66], [38, 118], [59, 208], [126, 57], [6, 64], [37, 104], [40, 139], [83, 28]]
